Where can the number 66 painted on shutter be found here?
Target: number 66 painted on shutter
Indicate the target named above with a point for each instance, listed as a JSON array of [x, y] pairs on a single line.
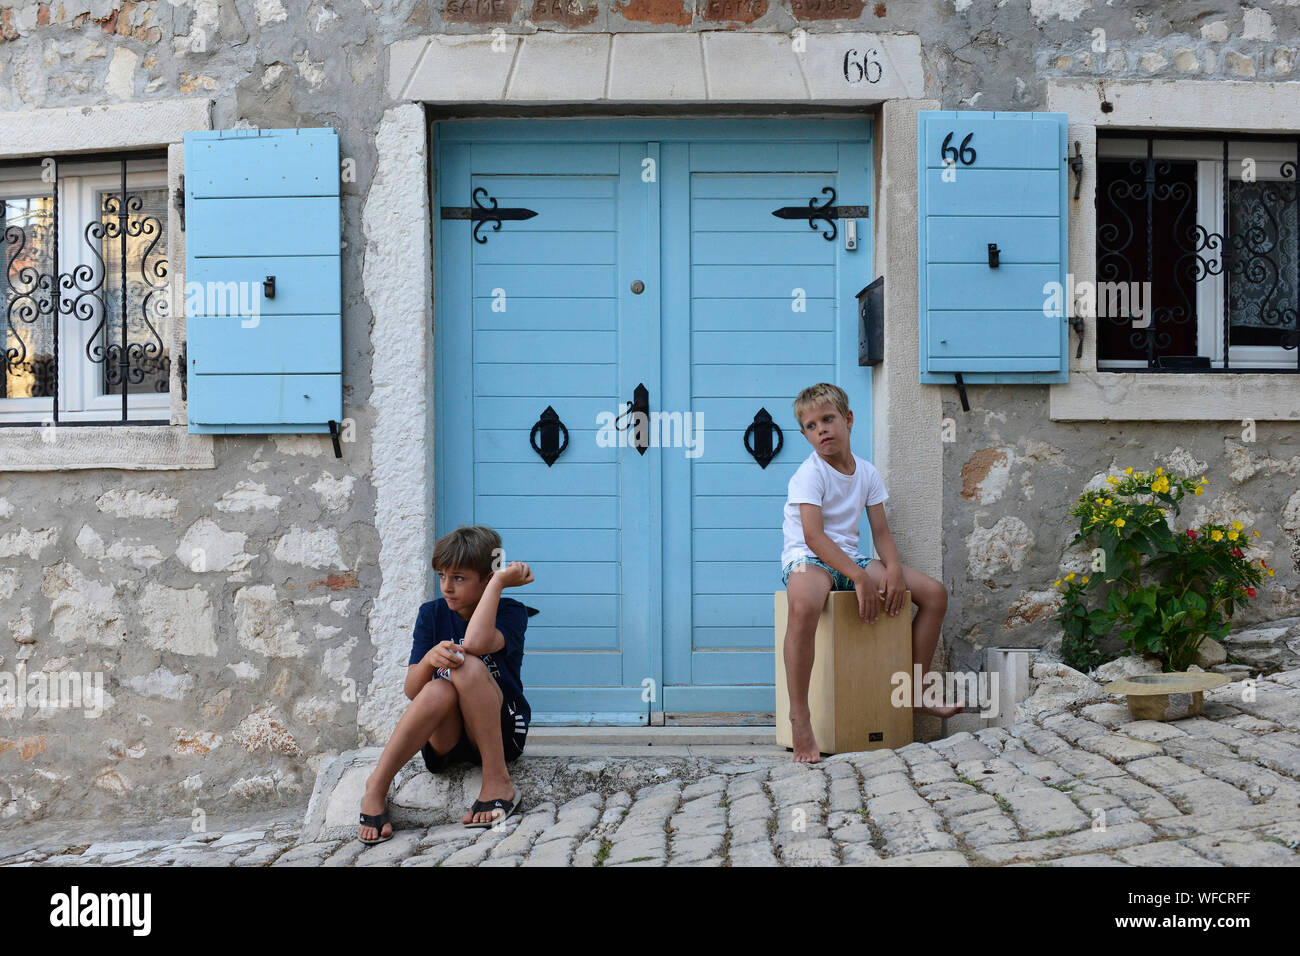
[[958, 155]]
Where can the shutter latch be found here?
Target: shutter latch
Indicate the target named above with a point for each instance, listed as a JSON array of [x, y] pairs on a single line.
[[1076, 167], [961, 390], [334, 435], [178, 196]]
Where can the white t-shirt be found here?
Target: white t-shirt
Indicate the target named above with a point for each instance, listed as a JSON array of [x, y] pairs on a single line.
[[841, 497]]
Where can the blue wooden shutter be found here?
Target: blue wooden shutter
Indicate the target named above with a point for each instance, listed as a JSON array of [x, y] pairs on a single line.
[[1006, 185], [262, 203]]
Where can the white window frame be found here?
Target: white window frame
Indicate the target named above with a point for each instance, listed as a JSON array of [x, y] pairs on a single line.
[[71, 133], [1168, 108], [81, 394], [1269, 155]]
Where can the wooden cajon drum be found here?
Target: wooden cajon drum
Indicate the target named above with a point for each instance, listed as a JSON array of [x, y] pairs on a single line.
[[850, 689]]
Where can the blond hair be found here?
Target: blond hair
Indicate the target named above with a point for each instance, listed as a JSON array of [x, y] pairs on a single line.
[[469, 547], [822, 392]]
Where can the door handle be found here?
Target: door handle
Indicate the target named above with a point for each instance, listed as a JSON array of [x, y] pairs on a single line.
[[763, 428], [637, 414], [554, 436]]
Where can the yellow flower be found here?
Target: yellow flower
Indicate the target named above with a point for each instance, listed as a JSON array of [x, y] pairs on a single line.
[[1232, 536], [1254, 532], [1237, 525], [1085, 579], [1107, 502], [1056, 583], [1070, 576], [1119, 522], [1112, 480], [1160, 485], [1216, 535], [1270, 572], [1199, 490], [1204, 480], [1158, 471], [1128, 470]]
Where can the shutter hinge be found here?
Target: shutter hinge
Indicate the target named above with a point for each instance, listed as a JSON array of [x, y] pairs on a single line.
[[334, 436], [178, 196]]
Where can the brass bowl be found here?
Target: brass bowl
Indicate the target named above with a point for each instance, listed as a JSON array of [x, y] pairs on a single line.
[[1170, 696]]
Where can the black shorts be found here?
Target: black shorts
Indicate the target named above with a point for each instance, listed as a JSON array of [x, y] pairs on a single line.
[[514, 733]]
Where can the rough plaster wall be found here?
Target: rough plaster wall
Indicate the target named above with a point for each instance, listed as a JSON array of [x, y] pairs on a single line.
[[228, 684], [398, 285]]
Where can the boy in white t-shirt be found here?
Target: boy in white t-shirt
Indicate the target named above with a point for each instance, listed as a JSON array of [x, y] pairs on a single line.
[[826, 497]]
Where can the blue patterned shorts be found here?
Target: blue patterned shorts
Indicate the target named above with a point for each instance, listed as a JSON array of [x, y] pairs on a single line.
[[838, 581]]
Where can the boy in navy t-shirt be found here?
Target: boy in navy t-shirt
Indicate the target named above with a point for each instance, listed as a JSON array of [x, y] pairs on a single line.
[[463, 679]]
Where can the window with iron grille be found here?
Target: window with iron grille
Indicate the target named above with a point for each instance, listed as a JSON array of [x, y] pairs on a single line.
[[1198, 253], [84, 287]]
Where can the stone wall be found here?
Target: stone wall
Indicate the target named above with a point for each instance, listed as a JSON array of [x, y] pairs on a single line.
[[231, 684]]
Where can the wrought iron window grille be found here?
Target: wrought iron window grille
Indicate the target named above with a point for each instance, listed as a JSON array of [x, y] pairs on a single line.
[[1255, 254], [121, 240]]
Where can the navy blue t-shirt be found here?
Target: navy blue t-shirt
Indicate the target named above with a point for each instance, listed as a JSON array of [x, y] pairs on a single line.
[[437, 623]]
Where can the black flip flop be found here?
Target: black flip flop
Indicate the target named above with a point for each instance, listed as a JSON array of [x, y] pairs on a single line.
[[508, 807], [378, 823]]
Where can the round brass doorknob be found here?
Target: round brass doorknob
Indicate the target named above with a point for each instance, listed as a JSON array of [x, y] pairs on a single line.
[[638, 287]]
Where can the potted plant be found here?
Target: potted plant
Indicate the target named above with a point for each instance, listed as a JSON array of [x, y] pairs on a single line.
[[1164, 589]]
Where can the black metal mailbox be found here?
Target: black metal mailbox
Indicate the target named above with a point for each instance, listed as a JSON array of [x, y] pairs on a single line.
[[871, 323]]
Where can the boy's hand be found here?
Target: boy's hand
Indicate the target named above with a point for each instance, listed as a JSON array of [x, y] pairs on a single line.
[[894, 589], [514, 574], [445, 655], [868, 598]]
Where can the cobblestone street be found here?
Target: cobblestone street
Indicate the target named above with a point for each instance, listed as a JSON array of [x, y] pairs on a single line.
[[1079, 785]]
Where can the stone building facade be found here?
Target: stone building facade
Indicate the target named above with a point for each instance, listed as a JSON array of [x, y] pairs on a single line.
[[231, 679]]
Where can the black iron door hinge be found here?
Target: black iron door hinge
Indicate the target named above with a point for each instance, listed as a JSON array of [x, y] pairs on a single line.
[[827, 213], [479, 213]]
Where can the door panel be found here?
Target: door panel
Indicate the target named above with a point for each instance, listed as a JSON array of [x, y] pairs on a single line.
[[654, 571], [543, 324], [756, 308]]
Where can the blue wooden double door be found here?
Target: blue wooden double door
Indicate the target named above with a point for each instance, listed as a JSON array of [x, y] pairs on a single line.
[[621, 293]]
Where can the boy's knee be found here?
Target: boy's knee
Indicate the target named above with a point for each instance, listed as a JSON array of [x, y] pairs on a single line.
[[436, 693], [467, 671], [471, 673], [934, 596], [804, 608]]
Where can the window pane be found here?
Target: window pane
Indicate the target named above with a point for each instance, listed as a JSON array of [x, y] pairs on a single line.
[[1177, 249], [147, 322], [1262, 280], [28, 246]]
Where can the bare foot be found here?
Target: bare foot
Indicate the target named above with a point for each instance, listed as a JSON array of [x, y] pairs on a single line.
[[805, 744], [492, 789], [940, 711], [372, 804]]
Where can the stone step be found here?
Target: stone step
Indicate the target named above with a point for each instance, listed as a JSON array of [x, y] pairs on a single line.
[[418, 798], [635, 738]]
